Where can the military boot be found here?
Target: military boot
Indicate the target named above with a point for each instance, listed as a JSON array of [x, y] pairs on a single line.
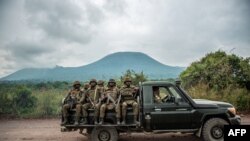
[[96, 122], [65, 121], [124, 120], [77, 121], [101, 121], [118, 121], [84, 120], [135, 120]]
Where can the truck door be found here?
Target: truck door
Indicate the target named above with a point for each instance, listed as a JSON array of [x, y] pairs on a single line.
[[168, 109]]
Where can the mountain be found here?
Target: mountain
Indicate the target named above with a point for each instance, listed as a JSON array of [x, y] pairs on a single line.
[[111, 66]]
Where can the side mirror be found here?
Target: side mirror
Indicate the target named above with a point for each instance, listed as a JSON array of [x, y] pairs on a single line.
[[178, 82]]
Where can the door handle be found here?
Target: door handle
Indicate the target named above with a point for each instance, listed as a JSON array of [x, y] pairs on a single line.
[[157, 109]]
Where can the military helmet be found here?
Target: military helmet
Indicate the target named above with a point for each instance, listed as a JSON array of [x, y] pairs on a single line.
[[127, 79], [93, 80], [86, 85], [100, 82], [76, 83], [112, 81]]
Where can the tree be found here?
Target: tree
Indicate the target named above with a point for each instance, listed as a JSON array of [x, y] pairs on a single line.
[[135, 77], [218, 70], [23, 101]]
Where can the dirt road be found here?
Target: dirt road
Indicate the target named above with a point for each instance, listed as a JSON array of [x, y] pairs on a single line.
[[49, 130]]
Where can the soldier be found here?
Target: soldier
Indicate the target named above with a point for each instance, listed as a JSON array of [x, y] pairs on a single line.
[[156, 92], [80, 104], [100, 83], [111, 101], [128, 94], [85, 87], [92, 100], [71, 100], [100, 90]]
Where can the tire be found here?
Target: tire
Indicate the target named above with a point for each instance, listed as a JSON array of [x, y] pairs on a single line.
[[213, 129], [104, 134]]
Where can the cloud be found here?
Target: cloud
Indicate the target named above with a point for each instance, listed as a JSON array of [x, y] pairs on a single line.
[[63, 20], [35, 33]]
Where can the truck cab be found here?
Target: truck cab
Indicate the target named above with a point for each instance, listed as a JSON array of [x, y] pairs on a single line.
[[166, 107]]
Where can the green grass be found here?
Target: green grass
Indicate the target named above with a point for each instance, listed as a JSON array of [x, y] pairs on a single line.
[[239, 97]]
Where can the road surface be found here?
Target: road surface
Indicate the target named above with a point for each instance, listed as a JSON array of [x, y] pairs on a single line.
[[49, 130]]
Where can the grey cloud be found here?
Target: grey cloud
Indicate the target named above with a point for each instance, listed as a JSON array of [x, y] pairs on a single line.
[[63, 20], [115, 6], [22, 50], [42, 33]]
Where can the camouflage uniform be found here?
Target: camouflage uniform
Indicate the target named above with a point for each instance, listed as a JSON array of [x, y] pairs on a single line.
[[91, 100], [71, 100], [111, 101], [128, 98], [80, 103], [100, 83]]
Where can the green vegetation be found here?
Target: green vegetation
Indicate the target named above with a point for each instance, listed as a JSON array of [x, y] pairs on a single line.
[[220, 76], [31, 100], [217, 76], [42, 99]]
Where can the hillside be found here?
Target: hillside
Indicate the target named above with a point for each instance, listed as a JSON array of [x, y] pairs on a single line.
[[111, 66]]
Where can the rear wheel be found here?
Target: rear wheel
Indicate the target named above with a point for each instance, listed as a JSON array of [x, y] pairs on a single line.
[[213, 129], [104, 134]]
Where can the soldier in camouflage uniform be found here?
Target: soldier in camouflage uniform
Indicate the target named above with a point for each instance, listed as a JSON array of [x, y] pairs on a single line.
[[128, 94], [100, 83], [111, 101], [71, 100], [85, 87], [80, 104], [91, 100]]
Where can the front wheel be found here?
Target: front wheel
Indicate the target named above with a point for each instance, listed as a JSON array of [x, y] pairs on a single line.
[[104, 134], [213, 129]]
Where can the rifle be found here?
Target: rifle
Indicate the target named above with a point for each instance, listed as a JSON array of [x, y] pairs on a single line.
[[92, 103], [72, 102], [117, 102]]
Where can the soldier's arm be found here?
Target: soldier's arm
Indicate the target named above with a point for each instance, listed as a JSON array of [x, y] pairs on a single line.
[[68, 96], [83, 98]]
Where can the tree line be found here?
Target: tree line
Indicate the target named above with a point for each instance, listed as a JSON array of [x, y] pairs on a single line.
[[216, 76]]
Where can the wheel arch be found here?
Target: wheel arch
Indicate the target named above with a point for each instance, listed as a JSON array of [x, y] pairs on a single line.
[[210, 116]]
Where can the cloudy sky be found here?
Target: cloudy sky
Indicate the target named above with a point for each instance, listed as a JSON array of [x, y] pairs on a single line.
[[46, 33]]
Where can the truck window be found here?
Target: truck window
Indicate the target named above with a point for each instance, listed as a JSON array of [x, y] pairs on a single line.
[[159, 93], [165, 94]]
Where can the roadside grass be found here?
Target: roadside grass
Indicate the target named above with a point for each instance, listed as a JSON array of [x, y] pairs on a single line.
[[239, 97]]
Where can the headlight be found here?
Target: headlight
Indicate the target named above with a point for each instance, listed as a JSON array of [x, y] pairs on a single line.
[[232, 110]]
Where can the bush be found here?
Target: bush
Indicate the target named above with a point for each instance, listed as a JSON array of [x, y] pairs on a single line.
[[49, 103], [23, 102], [239, 97]]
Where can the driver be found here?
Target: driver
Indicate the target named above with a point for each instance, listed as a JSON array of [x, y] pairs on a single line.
[[157, 97]]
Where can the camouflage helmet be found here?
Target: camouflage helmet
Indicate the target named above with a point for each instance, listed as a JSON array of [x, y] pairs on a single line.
[[86, 86], [112, 81], [76, 83], [127, 79], [100, 82], [93, 80]]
